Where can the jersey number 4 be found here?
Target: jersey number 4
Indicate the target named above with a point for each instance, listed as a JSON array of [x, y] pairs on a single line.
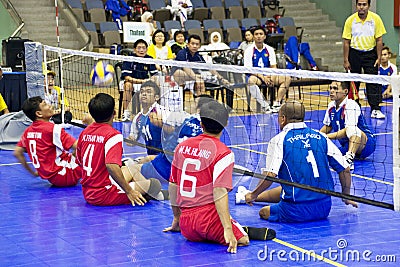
[[189, 178], [87, 159]]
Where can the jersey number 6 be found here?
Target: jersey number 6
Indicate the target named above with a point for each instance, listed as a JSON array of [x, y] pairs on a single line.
[[189, 178]]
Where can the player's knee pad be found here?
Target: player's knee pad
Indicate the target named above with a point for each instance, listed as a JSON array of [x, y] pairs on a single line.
[[154, 188], [353, 130]]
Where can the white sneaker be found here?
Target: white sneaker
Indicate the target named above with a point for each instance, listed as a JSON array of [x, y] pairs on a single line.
[[240, 196], [266, 110], [126, 116], [377, 114], [276, 108]]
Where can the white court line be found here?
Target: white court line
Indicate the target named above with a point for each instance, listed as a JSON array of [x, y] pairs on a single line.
[[11, 164], [384, 133], [254, 144]]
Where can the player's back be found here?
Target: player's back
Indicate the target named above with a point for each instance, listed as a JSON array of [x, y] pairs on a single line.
[[200, 164], [98, 145], [306, 161], [46, 145]]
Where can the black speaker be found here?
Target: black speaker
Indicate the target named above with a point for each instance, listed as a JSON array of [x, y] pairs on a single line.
[[13, 52]]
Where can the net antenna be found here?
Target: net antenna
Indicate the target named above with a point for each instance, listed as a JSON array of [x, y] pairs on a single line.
[[60, 72]]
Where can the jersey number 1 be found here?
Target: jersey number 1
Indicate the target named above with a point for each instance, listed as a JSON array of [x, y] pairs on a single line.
[[189, 178], [311, 159]]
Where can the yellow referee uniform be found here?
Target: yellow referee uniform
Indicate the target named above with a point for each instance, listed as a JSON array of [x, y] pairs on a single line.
[[363, 34], [3, 104]]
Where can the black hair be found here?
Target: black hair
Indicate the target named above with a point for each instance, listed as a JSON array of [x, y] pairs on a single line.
[[369, 2], [214, 117], [177, 33], [153, 85], [101, 107], [153, 38], [30, 106], [194, 36], [140, 41], [258, 28], [345, 85]]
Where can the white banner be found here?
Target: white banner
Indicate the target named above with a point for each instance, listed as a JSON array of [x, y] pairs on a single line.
[[134, 31]]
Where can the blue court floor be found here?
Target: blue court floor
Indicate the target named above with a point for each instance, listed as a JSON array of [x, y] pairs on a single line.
[[45, 226]]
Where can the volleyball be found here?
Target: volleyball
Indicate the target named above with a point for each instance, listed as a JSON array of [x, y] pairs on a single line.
[[102, 74]]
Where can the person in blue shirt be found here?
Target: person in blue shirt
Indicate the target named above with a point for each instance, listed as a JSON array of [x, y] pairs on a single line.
[[302, 155], [387, 68], [190, 54], [134, 73], [344, 122], [142, 126], [118, 9], [261, 55]]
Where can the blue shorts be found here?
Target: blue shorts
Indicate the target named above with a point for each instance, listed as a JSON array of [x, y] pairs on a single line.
[[300, 212], [368, 149], [159, 168]]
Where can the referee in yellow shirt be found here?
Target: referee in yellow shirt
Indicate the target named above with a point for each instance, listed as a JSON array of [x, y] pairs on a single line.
[[362, 49]]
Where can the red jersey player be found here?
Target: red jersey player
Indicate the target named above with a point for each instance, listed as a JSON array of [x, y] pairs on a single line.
[[47, 145], [201, 177], [99, 152]]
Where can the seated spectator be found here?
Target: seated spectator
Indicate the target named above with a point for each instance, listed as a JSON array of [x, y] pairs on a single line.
[[148, 17], [248, 41], [138, 7], [183, 75], [52, 96], [158, 49], [261, 55], [118, 9], [3, 105], [180, 43], [293, 51], [215, 44], [181, 8], [135, 73], [387, 68]]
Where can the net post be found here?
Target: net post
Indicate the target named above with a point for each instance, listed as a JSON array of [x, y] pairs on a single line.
[[396, 135]]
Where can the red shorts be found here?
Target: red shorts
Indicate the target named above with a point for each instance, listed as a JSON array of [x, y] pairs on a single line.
[[112, 196], [70, 178], [203, 224]]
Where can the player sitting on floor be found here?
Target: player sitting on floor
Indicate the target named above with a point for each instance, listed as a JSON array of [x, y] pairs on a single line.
[[302, 155], [201, 178], [387, 68], [180, 126], [47, 145], [149, 95], [99, 152], [344, 121]]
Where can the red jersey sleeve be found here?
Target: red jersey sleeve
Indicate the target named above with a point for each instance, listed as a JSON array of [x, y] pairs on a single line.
[[113, 150], [22, 141], [66, 140], [223, 169]]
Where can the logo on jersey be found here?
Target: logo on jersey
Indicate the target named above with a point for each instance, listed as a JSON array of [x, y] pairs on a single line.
[[306, 143]]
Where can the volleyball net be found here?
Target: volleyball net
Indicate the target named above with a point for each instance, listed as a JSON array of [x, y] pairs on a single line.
[[375, 179]]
